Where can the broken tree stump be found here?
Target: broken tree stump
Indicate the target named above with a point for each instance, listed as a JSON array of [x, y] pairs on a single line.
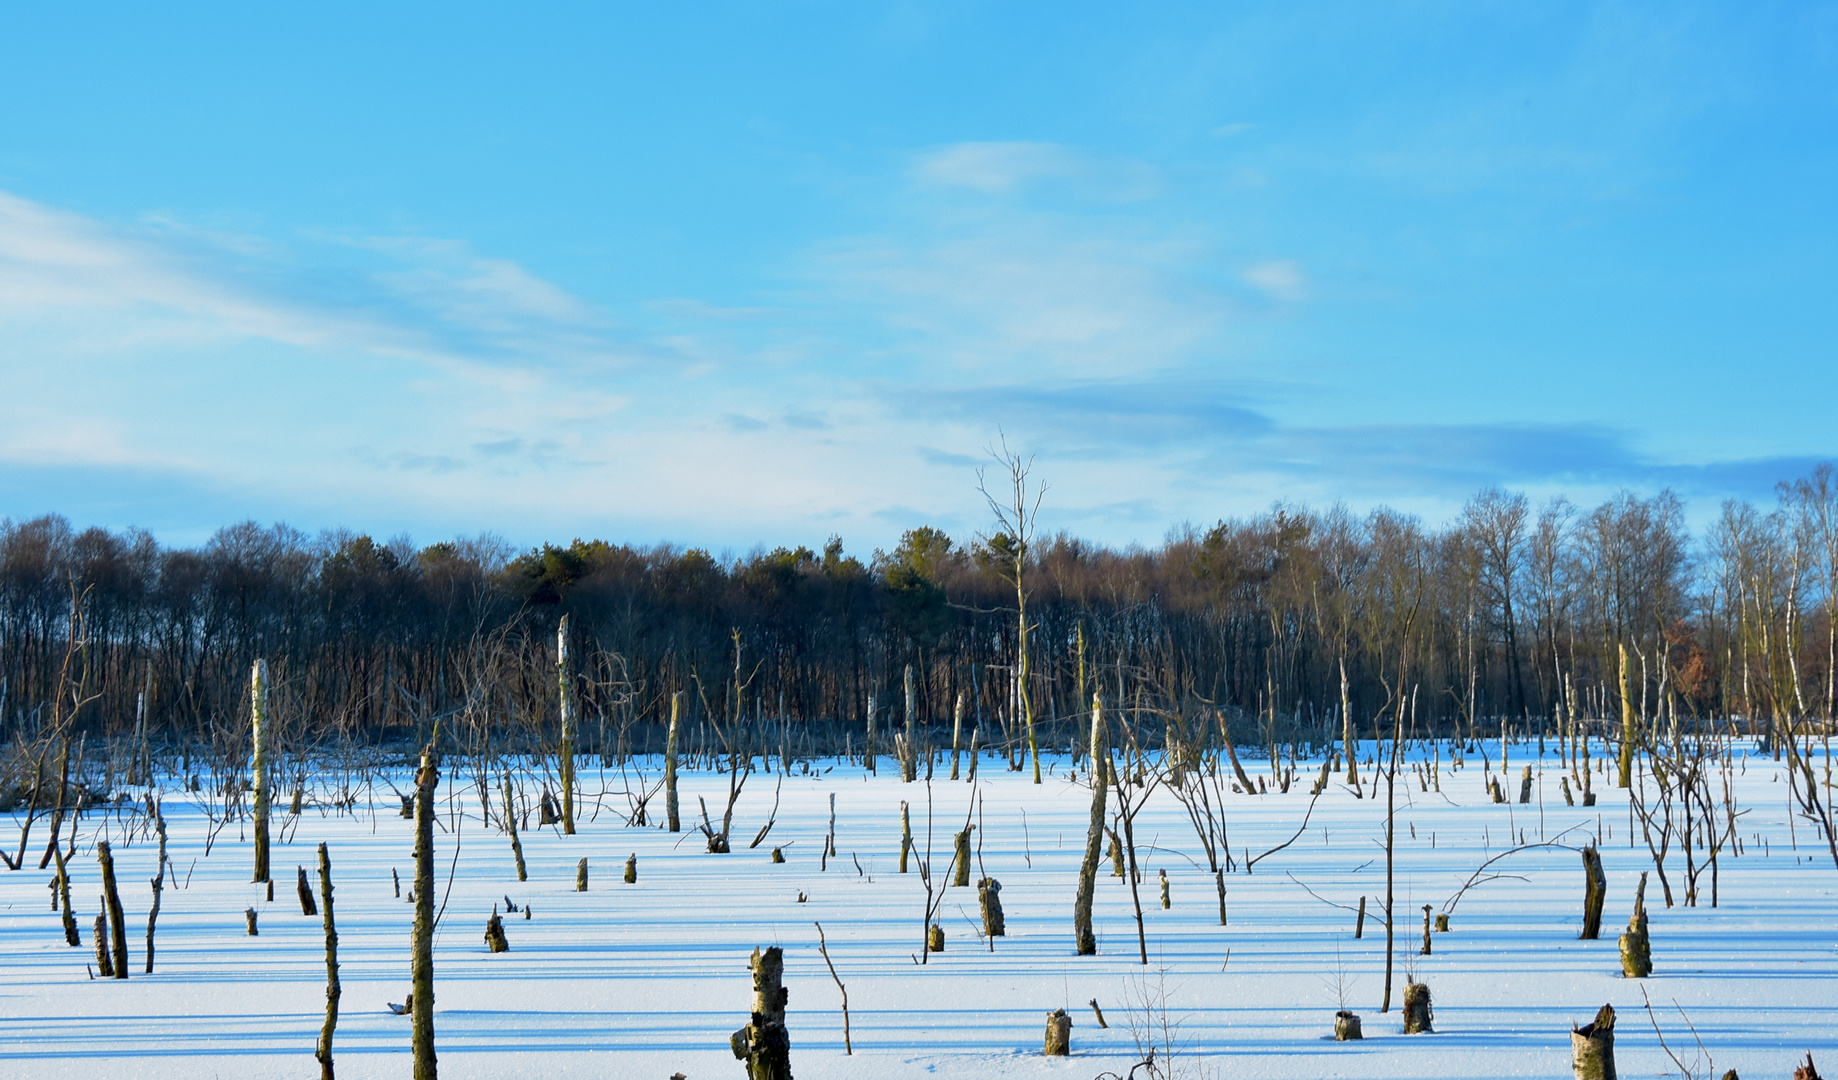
[[1417, 1015], [1059, 1034], [580, 876], [249, 922], [935, 939], [1525, 785], [494, 933], [1359, 924], [1442, 923], [1592, 1047], [631, 868], [1595, 892], [1166, 902], [962, 878], [994, 924], [778, 855], [111, 899], [1636, 947], [307, 906], [104, 965], [1346, 1027], [1806, 1071], [764, 1044], [1426, 942]]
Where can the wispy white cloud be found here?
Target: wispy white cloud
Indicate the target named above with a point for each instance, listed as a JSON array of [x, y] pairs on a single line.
[[1280, 279], [1008, 167]]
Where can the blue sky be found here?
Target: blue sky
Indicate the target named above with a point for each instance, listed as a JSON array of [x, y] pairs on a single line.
[[736, 274]]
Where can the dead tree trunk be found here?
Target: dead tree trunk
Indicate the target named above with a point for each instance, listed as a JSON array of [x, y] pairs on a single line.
[[111, 896], [631, 867], [1595, 893], [1059, 1034], [908, 748], [764, 1044], [1636, 949], [494, 933], [957, 731], [994, 924], [671, 819], [323, 1052], [258, 769], [564, 687], [962, 877], [1417, 1009], [580, 876], [1592, 1047], [906, 834], [510, 823], [72, 936], [104, 966], [1084, 939], [421, 954], [305, 891], [158, 883]]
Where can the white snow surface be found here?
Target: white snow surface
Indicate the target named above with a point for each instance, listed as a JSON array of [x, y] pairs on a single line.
[[648, 980]]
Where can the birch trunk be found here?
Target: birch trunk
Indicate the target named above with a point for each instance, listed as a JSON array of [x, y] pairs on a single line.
[[564, 688], [1084, 939], [421, 955]]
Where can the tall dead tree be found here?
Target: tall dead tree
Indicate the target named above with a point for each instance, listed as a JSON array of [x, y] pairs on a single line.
[[323, 1051], [672, 819], [1016, 514], [565, 688], [258, 769], [111, 896], [1084, 939], [421, 955]]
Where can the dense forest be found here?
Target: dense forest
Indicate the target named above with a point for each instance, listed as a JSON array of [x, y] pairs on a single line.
[[1295, 618]]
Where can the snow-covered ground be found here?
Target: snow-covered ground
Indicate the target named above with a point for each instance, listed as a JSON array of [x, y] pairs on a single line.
[[648, 980]]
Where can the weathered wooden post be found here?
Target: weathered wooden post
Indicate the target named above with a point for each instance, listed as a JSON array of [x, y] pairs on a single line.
[[674, 822], [421, 953], [1416, 1009], [323, 1052], [258, 713], [1592, 1047], [111, 896], [764, 1044], [1085, 941], [1595, 893], [1636, 948], [1059, 1034], [565, 687], [987, 897]]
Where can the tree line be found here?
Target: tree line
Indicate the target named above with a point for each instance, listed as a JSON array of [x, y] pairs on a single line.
[[1299, 619]]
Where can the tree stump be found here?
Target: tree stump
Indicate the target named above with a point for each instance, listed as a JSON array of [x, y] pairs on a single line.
[[935, 939], [1525, 785], [1494, 786], [408, 807], [1417, 1009], [994, 923], [1595, 892], [1116, 854], [778, 855], [764, 1044], [1166, 901], [580, 876], [1359, 923], [1636, 947], [550, 814], [1563, 784], [1346, 1027], [1592, 1047], [1806, 1071], [631, 868], [249, 922], [1442, 923], [962, 878], [104, 966], [1059, 1034], [494, 934], [1426, 939], [307, 906]]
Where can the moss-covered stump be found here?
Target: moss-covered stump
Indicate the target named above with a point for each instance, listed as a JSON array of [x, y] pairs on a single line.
[[1417, 1016], [1059, 1034], [1592, 1047]]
